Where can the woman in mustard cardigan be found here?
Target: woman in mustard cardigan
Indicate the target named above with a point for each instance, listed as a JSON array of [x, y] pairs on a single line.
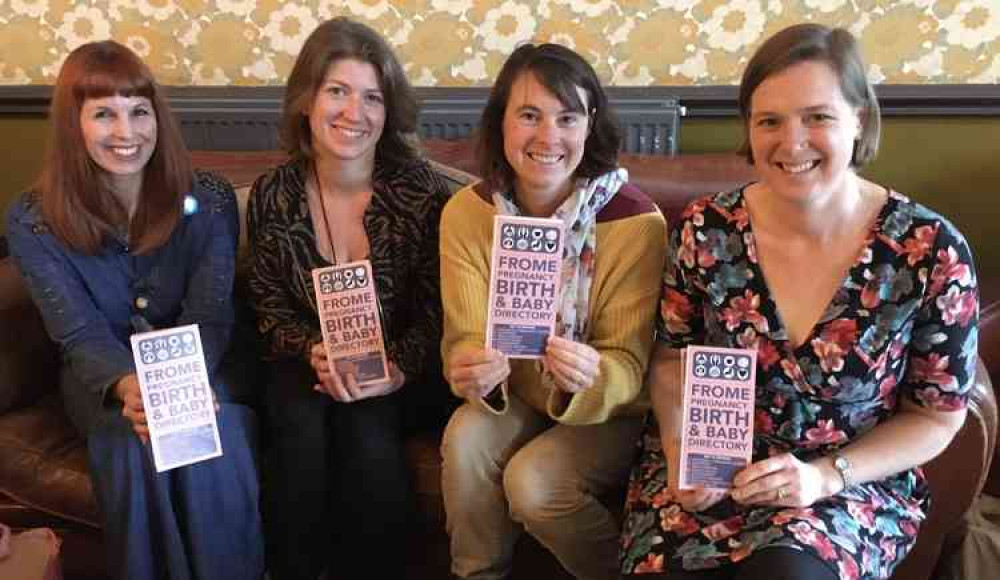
[[536, 442]]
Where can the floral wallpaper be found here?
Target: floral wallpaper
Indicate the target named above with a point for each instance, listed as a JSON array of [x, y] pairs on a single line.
[[464, 42]]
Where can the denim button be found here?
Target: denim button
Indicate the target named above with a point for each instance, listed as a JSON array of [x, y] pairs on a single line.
[[141, 302]]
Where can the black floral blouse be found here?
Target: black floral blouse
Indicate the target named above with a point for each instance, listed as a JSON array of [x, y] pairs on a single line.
[[903, 324], [402, 227]]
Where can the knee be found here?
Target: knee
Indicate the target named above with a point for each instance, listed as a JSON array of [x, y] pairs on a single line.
[[532, 492], [110, 433], [297, 422], [110, 423], [237, 425], [463, 446], [114, 450]]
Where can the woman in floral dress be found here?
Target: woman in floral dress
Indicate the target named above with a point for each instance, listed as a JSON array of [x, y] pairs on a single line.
[[862, 307]]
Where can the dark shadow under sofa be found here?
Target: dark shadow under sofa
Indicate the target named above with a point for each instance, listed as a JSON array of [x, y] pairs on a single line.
[[43, 476]]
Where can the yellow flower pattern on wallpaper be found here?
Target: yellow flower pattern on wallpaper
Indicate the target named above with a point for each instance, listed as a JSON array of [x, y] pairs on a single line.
[[464, 42]]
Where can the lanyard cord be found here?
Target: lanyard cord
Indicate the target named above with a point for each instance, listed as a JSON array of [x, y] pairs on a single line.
[[333, 253], [326, 220]]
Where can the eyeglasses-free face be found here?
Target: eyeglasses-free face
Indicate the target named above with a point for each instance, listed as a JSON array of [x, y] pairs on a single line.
[[120, 136], [543, 140], [802, 131], [347, 115]]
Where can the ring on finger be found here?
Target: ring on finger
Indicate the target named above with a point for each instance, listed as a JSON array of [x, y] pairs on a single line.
[[782, 492]]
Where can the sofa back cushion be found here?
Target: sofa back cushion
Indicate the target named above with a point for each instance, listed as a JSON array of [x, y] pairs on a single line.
[[671, 181], [29, 361]]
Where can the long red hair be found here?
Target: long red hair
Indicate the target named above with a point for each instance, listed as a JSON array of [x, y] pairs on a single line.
[[77, 205]]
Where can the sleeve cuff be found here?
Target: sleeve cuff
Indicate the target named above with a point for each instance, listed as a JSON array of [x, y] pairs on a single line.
[[496, 401]]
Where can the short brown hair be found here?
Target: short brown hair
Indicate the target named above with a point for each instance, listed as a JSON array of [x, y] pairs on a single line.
[[561, 71], [76, 205], [337, 39], [815, 42]]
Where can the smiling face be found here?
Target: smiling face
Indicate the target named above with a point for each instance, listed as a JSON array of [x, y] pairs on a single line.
[[802, 131], [120, 135], [348, 112], [543, 140]]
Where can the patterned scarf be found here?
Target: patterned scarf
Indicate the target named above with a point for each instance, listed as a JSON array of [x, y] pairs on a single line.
[[579, 217]]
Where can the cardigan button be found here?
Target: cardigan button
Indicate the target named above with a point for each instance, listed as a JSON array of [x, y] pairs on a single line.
[[141, 302]]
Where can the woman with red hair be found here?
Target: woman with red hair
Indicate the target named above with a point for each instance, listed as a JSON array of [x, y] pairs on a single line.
[[120, 236]]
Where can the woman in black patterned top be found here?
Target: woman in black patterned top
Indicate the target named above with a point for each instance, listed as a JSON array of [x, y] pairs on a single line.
[[354, 189]]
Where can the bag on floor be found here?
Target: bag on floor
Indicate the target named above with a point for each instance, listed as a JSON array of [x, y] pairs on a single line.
[[30, 555], [978, 555]]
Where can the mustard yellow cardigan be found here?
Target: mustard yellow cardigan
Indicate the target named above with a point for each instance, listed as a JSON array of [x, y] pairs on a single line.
[[630, 253]]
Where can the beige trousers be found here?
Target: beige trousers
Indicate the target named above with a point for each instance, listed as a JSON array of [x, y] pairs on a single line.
[[520, 470]]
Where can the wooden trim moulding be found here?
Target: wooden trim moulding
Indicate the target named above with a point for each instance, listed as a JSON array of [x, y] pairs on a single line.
[[698, 101]]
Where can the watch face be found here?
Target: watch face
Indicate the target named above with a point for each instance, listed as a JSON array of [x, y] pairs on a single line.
[[841, 463]]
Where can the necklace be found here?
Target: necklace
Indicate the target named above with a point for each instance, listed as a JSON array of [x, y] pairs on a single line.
[[326, 220]]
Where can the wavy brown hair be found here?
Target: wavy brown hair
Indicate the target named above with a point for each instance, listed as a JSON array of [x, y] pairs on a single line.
[[337, 39], [77, 204]]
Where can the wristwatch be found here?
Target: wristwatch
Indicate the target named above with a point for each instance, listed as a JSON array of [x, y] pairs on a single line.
[[843, 467]]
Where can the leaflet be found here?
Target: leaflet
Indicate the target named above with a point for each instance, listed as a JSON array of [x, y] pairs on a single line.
[[177, 396], [718, 407], [524, 285], [351, 321]]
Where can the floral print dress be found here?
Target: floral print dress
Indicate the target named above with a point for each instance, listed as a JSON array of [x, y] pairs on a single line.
[[903, 324]]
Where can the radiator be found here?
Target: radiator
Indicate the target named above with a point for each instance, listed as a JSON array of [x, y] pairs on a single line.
[[648, 125]]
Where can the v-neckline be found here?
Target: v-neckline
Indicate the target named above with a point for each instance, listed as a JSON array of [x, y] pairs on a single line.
[[874, 229], [306, 211]]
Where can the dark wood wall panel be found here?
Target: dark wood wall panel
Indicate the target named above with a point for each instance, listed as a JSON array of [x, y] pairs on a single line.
[[245, 118], [699, 101]]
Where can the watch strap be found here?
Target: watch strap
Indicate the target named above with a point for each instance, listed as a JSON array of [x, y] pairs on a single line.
[[843, 467]]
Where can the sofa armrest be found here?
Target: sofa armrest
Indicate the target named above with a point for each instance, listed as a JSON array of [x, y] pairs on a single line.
[[989, 350], [29, 362], [956, 478]]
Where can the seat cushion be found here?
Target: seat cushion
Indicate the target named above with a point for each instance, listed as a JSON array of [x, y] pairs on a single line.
[[423, 453], [43, 462]]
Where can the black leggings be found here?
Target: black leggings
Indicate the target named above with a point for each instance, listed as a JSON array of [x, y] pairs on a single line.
[[767, 564]]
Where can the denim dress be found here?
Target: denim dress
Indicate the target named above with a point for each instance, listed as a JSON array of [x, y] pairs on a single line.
[[195, 522]]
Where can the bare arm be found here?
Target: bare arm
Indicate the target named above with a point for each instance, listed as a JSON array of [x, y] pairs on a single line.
[[914, 436], [940, 371]]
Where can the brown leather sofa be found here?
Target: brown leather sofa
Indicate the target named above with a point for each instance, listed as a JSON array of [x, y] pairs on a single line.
[[989, 352], [43, 476]]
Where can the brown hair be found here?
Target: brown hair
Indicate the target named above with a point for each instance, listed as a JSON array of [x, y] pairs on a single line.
[[815, 42], [561, 71], [342, 38], [77, 205]]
